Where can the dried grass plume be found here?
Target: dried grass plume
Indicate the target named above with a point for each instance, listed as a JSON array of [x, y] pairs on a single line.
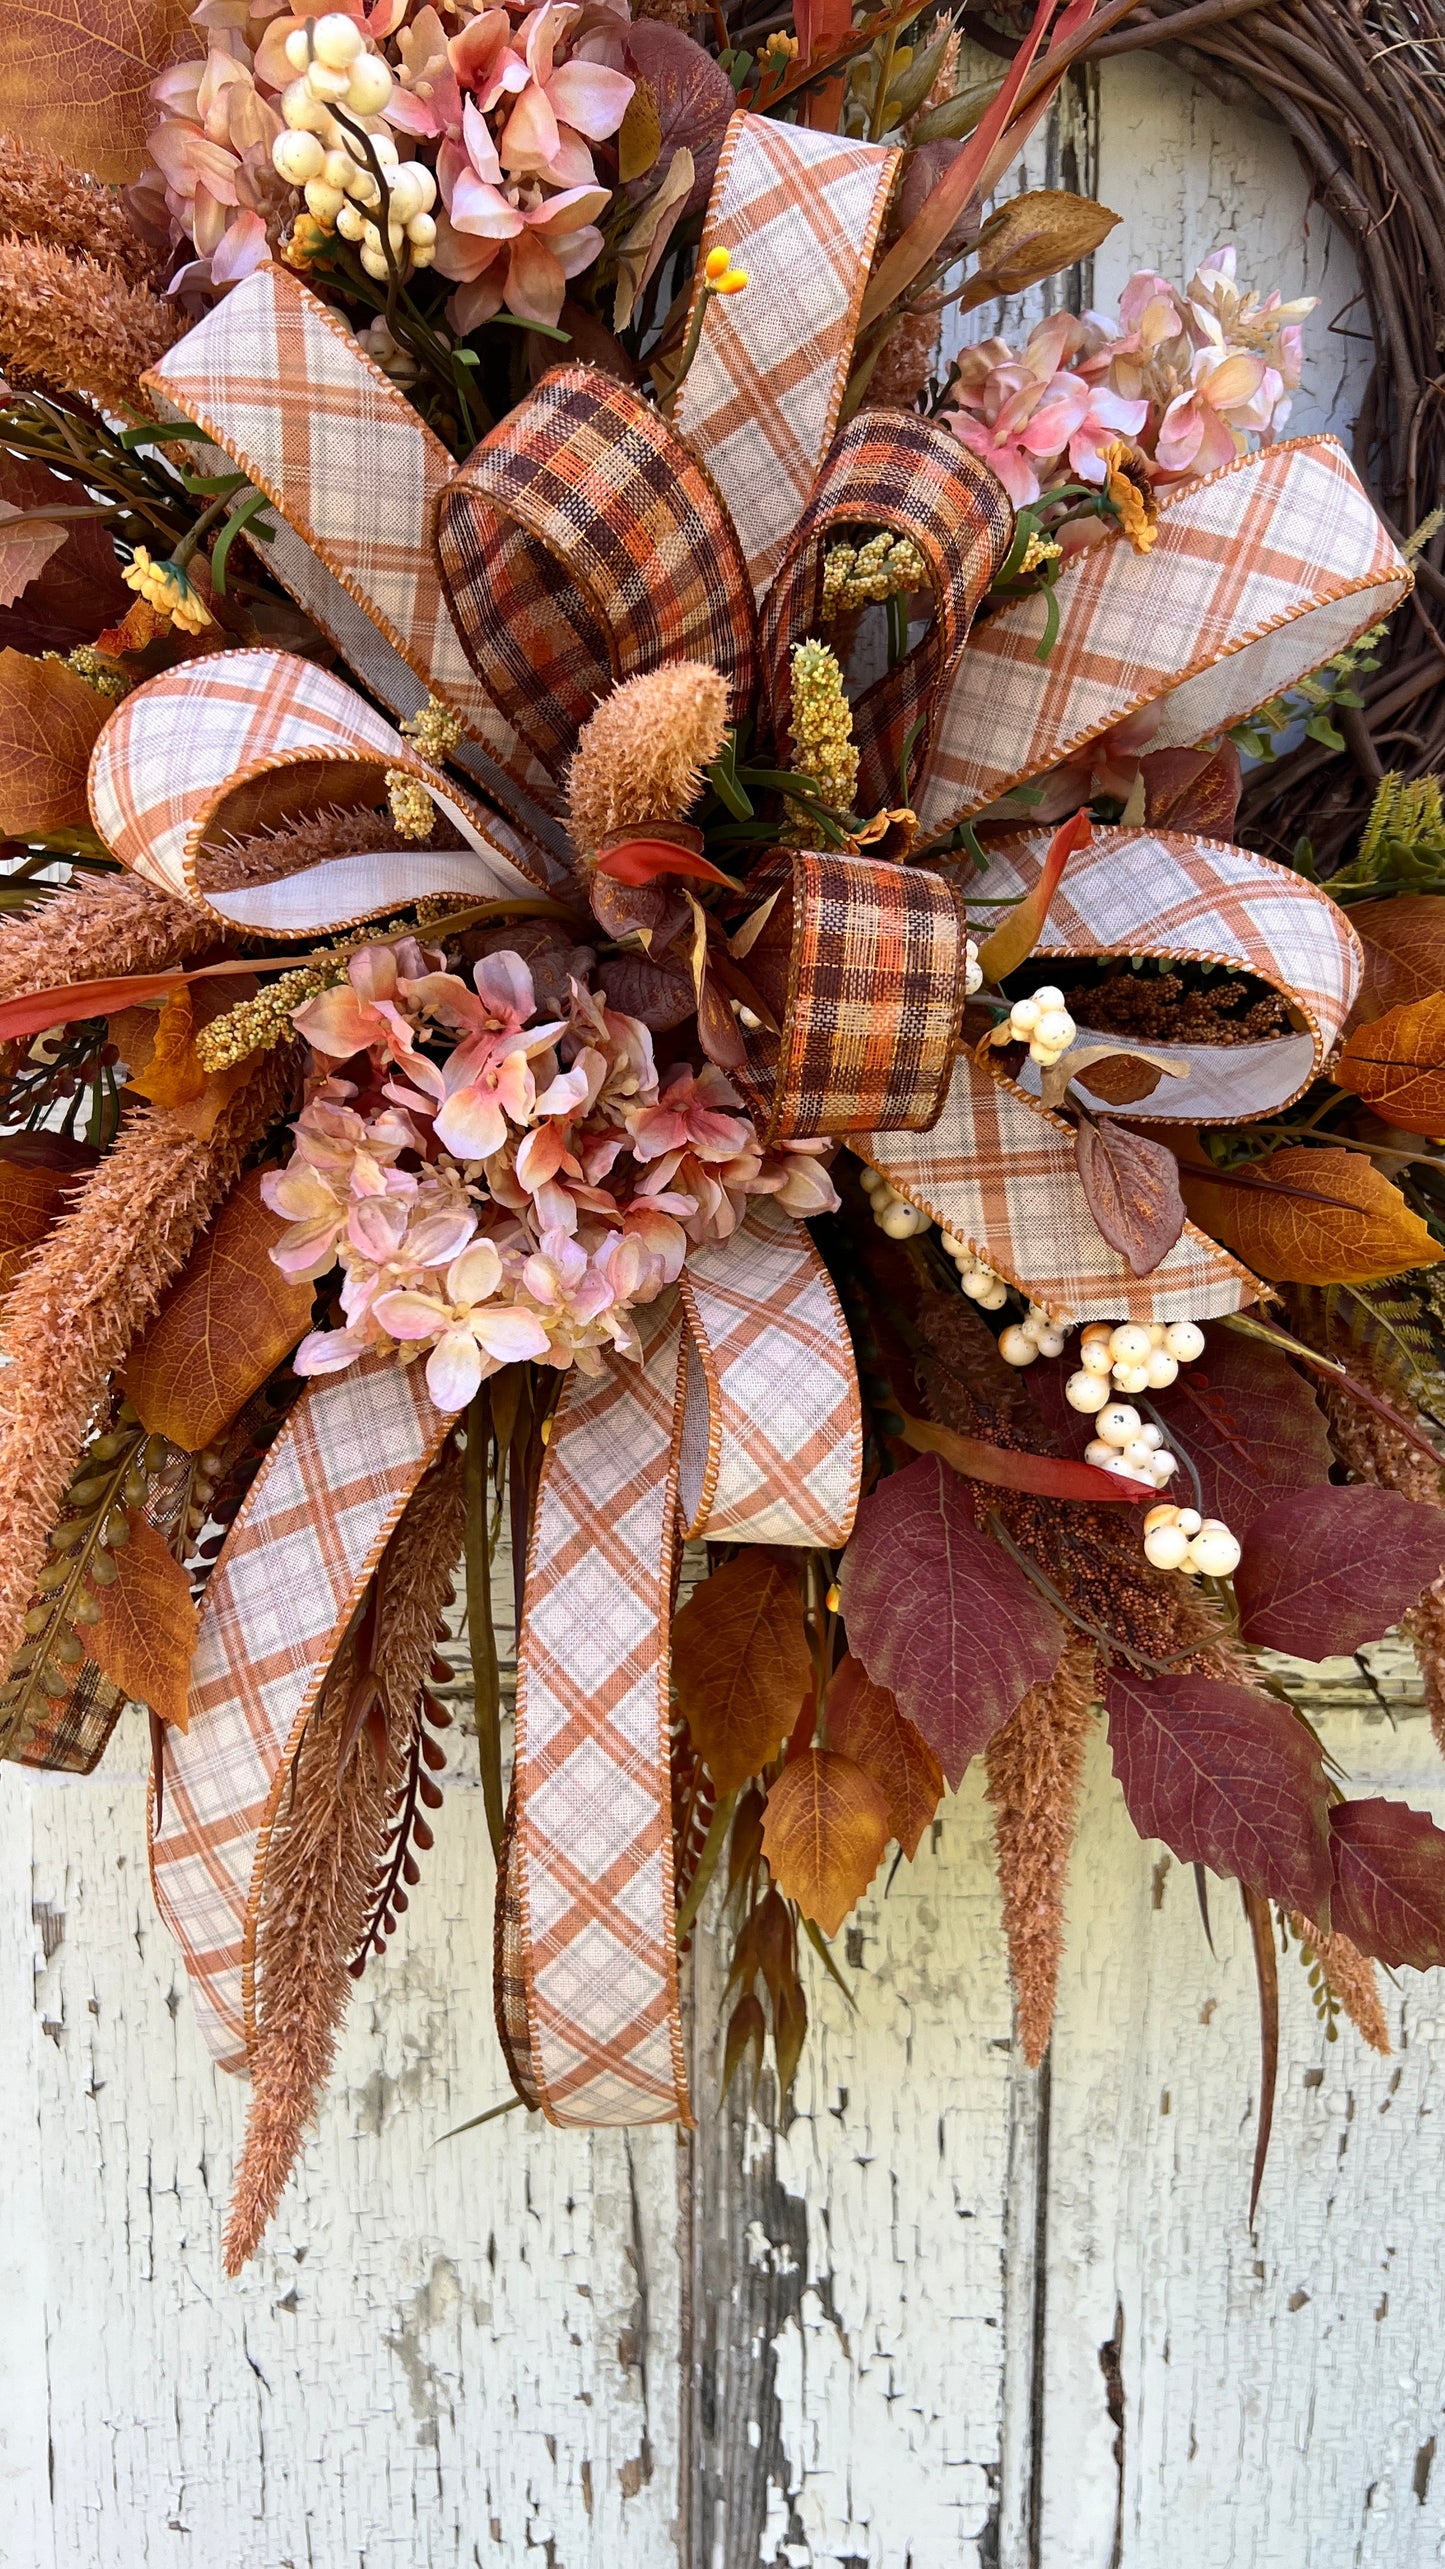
[[1035, 1771], [642, 754], [324, 1856], [100, 926], [75, 326], [43, 199]]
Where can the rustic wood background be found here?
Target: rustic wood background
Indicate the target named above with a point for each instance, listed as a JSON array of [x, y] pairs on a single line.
[[954, 2317]]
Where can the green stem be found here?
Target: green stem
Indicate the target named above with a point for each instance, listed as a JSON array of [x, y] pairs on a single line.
[[208, 518], [690, 347], [481, 1632]]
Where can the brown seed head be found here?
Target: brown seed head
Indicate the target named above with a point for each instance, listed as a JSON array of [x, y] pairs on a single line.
[[641, 756]]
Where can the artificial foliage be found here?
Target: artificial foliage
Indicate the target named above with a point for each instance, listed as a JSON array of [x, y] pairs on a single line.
[[613, 916]]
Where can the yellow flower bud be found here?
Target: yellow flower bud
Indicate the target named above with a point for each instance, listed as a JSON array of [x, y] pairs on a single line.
[[716, 265]]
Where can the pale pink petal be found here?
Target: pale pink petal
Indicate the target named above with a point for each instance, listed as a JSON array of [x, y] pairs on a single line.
[[594, 100], [505, 984], [577, 250], [377, 1225], [564, 213], [476, 1274], [529, 137], [454, 1369], [327, 1351], [479, 207], [410, 1315], [481, 150], [510, 1335], [337, 1022], [244, 248]]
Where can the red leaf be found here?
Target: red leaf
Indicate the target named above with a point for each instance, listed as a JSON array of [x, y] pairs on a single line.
[[70, 1000], [1327, 1569], [940, 1615], [1004, 1468], [1014, 940], [1228, 1777], [1132, 1188], [642, 860], [1389, 1882], [1250, 1424]]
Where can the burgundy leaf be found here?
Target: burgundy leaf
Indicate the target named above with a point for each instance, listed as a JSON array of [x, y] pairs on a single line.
[[1248, 1421], [649, 991], [551, 957], [940, 1615], [80, 589], [1327, 1569], [1132, 1187], [1227, 1776], [695, 102], [1389, 1882]]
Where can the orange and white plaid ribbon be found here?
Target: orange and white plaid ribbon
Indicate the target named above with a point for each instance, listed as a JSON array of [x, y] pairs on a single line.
[[296, 1564], [742, 1424]]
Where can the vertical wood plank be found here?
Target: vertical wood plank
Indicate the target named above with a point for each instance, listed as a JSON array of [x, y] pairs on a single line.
[[447, 2353], [848, 2279], [1278, 2397]]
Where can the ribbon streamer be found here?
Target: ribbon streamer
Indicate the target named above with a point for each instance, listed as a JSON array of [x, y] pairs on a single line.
[[295, 1566]]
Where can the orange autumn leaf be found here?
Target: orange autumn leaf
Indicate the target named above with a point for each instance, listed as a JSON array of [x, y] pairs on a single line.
[[1397, 1065], [49, 720], [1291, 1239], [225, 1325], [173, 1075], [864, 1723], [75, 75], [825, 1826], [37, 1172], [170, 1073], [740, 1663], [1404, 944], [148, 1624]]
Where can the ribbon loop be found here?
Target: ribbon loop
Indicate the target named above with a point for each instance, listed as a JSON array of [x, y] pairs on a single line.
[[1260, 572], [760, 402], [241, 740], [1177, 897], [863, 965], [279, 384], [580, 544], [888, 469]]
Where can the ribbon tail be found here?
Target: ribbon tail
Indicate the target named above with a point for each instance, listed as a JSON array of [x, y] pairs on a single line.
[[295, 1565]]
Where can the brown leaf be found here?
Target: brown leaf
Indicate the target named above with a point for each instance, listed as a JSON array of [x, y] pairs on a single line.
[[864, 1723], [75, 75], [825, 1826], [36, 1172], [225, 1325], [1397, 1065], [26, 545], [81, 584], [1192, 789], [740, 1663], [1141, 1070], [1119, 1079], [1031, 237], [49, 719], [639, 136], [147, 1629], [1404, 944], [1132, 1186], [1291, 1240]]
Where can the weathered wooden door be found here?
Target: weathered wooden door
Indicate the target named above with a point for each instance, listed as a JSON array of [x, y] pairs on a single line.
[[952, 2315]]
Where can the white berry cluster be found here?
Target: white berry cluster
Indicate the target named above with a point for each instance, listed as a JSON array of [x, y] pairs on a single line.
[[1134, 1356], [1182, 1539], [1124, 1445], [892, 1213], [1042, 1022], [1037, 1335], [334, 70], [978, 1280], [972, 968]]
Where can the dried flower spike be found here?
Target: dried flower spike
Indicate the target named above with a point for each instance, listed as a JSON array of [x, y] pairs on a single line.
[[822, 729], [643, 755]]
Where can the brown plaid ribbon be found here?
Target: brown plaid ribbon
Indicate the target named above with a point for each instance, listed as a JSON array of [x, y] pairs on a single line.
[[862, 963], [887, 469], [582, 543]]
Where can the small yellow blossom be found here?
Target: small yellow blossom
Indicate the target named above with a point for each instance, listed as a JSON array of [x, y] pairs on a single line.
[[309, 240], [722, 277], [103, 675], [866, 574], [1038, 550], [165, 587], [436, 731], [822, 727], [411, 805], [1131, 493], [782, 46]]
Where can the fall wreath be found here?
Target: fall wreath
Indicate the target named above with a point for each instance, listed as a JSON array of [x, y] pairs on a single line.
[[633, 911]]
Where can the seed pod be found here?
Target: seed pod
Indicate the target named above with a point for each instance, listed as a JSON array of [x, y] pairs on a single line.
[[103, 1571], [37, 1619], [155, 1452], [66, 1536], [106, 1448], [87, 1609], [137, 1488], [83, 1494], [54, 1575], [116, 1529], [68, 1651]]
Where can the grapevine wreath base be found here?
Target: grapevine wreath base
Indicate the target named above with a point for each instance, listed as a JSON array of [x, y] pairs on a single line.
[[627, 911]]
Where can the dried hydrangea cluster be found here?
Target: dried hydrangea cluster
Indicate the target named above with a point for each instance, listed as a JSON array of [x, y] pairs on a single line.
[[508, 1189], [1184, 381]]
